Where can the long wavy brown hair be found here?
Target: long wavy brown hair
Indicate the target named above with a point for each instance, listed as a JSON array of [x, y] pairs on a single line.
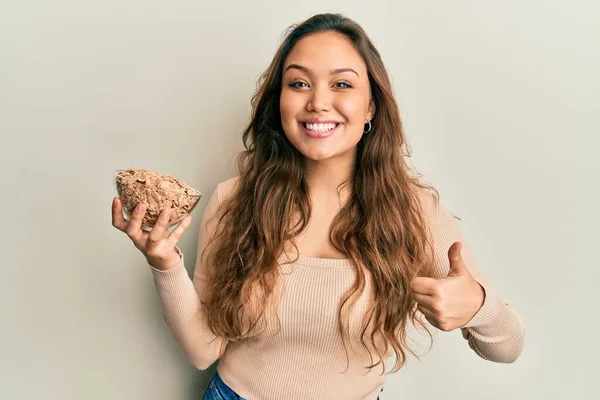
[[381, 227]]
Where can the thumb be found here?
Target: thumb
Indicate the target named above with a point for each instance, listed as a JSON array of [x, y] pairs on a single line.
[[457, 264]]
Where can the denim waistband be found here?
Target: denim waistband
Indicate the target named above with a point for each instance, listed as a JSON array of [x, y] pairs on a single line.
[[218, 390]]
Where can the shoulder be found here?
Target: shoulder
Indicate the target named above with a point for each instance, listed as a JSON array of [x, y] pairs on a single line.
[[226, 188], [428, 200], [433, 209], [220, 193]]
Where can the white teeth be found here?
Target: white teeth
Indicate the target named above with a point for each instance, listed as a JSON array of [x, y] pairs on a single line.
[[320, 127]]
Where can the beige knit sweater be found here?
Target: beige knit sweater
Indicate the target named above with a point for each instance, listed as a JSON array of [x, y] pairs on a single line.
[[303, 357]]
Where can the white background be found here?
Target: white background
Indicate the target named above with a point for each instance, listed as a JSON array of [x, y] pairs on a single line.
[[500, 104]]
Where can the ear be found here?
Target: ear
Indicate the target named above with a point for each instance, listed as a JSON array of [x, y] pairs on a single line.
[[371, 111]]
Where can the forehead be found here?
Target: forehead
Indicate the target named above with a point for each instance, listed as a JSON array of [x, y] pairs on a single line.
[[325, 51]]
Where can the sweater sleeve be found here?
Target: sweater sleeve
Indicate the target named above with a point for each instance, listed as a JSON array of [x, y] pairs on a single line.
[[180, 299], [496, 332]]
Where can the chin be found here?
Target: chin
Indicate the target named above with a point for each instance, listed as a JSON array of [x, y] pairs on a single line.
[[323, 154], [319, 149], [319, 156]]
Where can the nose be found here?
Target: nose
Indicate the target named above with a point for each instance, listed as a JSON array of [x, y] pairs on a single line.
[[320, 100]]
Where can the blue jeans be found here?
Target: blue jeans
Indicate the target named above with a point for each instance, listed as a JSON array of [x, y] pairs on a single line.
[[218, 390]]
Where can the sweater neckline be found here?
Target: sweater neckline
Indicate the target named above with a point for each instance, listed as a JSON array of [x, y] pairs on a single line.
[[316, 261]]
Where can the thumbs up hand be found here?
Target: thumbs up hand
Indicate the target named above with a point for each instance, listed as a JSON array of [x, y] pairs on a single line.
[[449, 303]]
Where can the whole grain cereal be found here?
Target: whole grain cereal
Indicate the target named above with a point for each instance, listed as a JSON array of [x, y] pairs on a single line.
[[158, 192]]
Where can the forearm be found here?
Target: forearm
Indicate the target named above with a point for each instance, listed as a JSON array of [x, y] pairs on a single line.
[[184, 316], [496, 333]]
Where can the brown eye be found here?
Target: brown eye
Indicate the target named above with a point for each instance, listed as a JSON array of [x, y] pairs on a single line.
[[343, 85], [296, 84]]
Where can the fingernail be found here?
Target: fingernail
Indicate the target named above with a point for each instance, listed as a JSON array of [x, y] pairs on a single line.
[[139, 207], [165, 213]]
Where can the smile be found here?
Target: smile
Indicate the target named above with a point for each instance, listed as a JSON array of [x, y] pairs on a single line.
[[320, 130]]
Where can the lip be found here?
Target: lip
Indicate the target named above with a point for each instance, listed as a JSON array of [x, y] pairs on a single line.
[[319, 135], [319, 121]]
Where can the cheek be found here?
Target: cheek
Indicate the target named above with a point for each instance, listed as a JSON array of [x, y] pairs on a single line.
[[353, 108], [289, 106]]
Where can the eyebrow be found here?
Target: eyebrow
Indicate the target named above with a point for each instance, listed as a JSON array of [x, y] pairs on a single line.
[[308, 71]]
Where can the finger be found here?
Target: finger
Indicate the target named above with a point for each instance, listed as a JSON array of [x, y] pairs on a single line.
[[424, 300], [432, 321], [158, 230], [134, 226], [457, 264], [426, 312], [117, 215], [454, 252], [181, 228], [424, 285]]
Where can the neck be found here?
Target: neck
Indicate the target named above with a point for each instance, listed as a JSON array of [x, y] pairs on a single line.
[[329, 177]]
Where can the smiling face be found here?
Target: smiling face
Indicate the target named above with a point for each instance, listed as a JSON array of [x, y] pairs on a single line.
[[325, 97]]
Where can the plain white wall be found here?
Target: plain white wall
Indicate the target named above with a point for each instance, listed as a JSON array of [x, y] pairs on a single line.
[[500, 101]]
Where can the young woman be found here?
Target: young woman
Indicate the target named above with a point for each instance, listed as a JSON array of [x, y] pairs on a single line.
[[314, 259]]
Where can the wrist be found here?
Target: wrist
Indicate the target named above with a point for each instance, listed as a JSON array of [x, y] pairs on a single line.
[[480, 296], [170, 263]]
